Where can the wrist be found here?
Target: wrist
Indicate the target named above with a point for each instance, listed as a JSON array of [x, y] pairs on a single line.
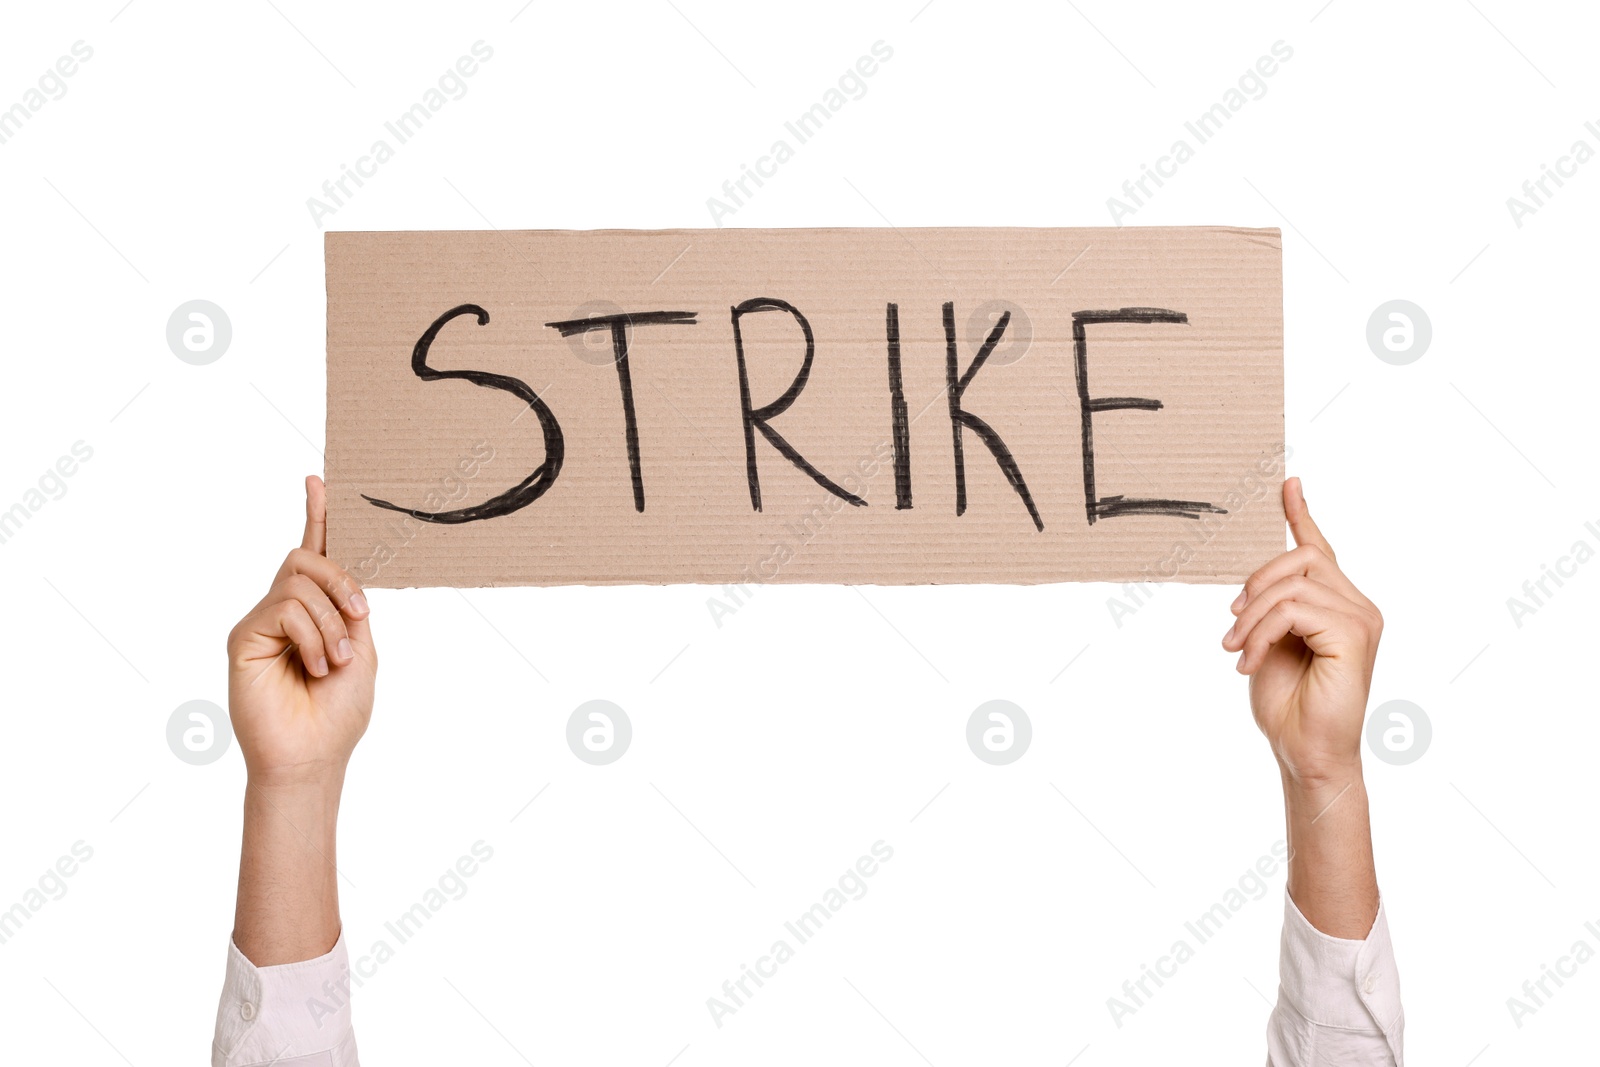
[[1324, 804], [317, 779], [1321, 778], [1326, 811], [307, 803]]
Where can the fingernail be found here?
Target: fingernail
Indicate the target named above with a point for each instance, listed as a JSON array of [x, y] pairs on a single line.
[[1239, 666], [322, 665], [345, 651], [358, 604], [1238, 602]]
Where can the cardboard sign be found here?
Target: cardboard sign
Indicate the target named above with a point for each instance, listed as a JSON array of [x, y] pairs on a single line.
[[859, 406]]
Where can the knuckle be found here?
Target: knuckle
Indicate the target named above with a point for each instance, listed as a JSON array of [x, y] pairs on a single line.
[[291, 613], [327, 618], [307, 590], [335, 581], [314, 568]]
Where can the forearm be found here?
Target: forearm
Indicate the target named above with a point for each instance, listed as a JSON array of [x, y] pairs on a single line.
[[1331, 875], [1339, 991], [288, 903]]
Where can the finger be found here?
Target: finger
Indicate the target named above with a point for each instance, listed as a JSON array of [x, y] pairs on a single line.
[[335, 638], [333, 579], [1312, 623], [316, 535], [295, 624], [361, 637], [1305, 530], [1308, 560], [1296, 587]]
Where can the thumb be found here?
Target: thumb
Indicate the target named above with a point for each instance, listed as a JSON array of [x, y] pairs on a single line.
[[1301, 525], [316, 535]]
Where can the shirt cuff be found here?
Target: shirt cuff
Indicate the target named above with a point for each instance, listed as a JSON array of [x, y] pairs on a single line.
[[1341, 989], [291, 1015]]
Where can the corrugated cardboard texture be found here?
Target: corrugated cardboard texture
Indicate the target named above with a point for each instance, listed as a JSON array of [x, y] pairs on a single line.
[[449, 444]]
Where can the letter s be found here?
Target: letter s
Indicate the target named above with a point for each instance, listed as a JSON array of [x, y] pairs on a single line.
[[530, 488]]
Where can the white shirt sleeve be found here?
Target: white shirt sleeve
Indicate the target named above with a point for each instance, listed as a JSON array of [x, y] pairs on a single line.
[[1338, 1000], [292, 1015]]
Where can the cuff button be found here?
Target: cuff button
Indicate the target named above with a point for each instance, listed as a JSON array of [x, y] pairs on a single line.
[[247, 1010]]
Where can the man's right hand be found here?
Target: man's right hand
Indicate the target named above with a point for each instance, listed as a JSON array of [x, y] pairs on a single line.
[[301, 665]]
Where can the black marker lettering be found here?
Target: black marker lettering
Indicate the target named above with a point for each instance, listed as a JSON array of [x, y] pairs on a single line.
[[758, 418], [530, 488], [901, 435], [1108, 507], [618, 325], [955, 388]]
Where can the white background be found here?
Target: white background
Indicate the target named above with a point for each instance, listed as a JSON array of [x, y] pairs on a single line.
[[773, 751]]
